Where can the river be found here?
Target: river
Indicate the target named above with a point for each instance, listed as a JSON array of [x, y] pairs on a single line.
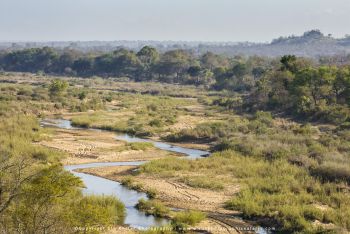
[[101, 186]]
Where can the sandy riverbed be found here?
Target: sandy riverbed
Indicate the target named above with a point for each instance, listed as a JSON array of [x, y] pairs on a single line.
[[86, 146]]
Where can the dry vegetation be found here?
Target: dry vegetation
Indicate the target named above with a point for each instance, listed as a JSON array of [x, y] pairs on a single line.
[[277, 172]]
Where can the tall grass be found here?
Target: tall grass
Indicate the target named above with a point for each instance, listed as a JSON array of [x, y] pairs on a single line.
[[285, 193]]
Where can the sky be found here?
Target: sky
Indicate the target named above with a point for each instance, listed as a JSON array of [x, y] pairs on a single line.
[[186, 20]]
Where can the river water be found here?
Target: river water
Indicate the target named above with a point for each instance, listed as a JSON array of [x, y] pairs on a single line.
[[101, 186]]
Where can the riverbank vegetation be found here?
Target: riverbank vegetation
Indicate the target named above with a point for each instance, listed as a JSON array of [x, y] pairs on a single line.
[[180, 220], [141, 115], [278, 129], [304, 88], [285, 193], [37, 194]]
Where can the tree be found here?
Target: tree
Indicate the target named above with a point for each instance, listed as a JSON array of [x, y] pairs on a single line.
[[57, 87], [65, 61], [126, 63], [103, 64], [83, 66], [38, 208], [17, 165], [288, 63], [30, 60], [211, 61], [174, 62], [341, 86], [199, 76], [36, 194], [148, 56], [194, 71]]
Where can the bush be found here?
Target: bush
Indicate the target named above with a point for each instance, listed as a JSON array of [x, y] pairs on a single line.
[[151, 193], [156, 123], [186, 218], [203, 132], [203, 182], [96, 211], [189, 217], [331, 171], [140, 145], [152, 207], [129, 182], [264, 118], [82, 121]]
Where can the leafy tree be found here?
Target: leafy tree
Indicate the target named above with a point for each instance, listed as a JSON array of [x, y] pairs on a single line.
[[288, 63], [57, 87], [211, 61], [175, 62], [30, 60], [83, 66], [37, 209], [65, 61], [125, 63], [148, 56]]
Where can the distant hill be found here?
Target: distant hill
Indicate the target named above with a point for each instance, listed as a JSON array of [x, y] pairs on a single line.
[[311, 44]]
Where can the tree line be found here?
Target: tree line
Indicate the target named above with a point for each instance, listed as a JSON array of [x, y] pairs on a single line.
[[318, 92], [300, 86], [175, 66]]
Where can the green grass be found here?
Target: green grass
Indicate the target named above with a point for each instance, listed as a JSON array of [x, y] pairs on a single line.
[[85, 120], [141, 145], [285, 170], [202, 182], [182, 220], [129, 182], [153, 207], [189, 217], [285, 193], [99, 211]]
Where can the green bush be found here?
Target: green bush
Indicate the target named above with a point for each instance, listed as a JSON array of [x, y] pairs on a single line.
[[94, 211], [152, 207], [189, 217], [129, 182], [140, 145], [203, 182], [203, 132], [330, 171]]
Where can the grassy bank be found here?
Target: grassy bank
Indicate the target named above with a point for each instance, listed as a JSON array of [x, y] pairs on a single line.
[[280, 191]]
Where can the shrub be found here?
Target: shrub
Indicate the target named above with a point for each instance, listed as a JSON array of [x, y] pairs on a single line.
[[331, 171], [156, 123], [264, 118], [204, 131], [306, 130], [82, 121], [203, 182], [140, 145], [129, 182], [96, 211], [151, 193], [189, 217], [152, 207]]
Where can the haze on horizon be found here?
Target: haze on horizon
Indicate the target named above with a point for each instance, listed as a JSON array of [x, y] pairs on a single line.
[[187, 20]]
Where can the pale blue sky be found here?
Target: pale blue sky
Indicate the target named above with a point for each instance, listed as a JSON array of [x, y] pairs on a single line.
[[204, 20]]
